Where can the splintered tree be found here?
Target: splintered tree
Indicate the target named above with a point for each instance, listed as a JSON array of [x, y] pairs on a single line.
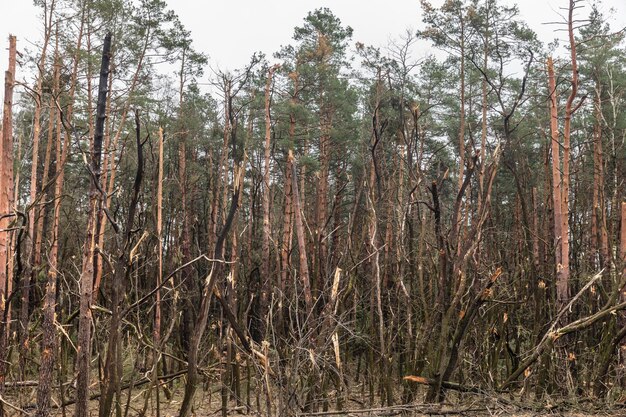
[[6, 206], [561, 165], [83, 362], [296, 238], [213, 283]]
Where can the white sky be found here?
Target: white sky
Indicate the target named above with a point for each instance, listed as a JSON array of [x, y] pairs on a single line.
[[229, 31]]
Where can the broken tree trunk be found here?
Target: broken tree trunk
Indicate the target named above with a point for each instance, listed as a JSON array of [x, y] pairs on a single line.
[[6, 197], [556, 182], [564, 273], [87, 274]]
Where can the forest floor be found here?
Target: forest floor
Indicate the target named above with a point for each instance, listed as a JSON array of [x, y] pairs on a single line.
[[208, 404]]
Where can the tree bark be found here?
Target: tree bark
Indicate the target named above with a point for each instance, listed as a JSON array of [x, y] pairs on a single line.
[[31, 263], [622, 257], [564, 275], [557, 191], [265, 249], [112, 375], [6, 204], [83, 360], [304, 263], [49, 342]]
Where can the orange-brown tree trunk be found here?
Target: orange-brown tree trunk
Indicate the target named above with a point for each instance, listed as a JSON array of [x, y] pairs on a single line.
[[563, 273], [557, 185], [6, 197]]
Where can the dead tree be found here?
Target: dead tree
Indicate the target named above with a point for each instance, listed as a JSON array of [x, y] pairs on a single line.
[[83, 360], [561, 166], [6, 202]]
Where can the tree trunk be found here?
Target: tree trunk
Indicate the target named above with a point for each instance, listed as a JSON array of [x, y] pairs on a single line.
[[562, 286], [83, 360], [112, 375], [49, 341], [265, 249], [563, 278], [157, 306], [6, 204], [109, 158], [48, 327], [458, 219], [304, 263], [622, 257], [31, 263]]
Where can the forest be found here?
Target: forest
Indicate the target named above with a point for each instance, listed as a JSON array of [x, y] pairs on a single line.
[[333, 229]]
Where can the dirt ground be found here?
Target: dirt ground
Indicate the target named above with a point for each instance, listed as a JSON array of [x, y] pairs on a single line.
[[208, 404]]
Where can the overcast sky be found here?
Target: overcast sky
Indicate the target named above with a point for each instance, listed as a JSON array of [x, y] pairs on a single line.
[[229, 31]]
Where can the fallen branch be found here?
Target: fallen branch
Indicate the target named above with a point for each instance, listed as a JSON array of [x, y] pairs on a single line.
[[14, 407], [571, 303], [396, 409], [134, 384], [28, 383], [455, 386], [548, 342]]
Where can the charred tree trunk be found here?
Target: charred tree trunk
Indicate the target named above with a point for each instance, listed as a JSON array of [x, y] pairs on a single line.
[[87, 274]]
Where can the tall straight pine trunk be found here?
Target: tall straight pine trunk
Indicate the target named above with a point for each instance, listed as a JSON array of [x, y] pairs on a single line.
[[557, 186], [266, 269]]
